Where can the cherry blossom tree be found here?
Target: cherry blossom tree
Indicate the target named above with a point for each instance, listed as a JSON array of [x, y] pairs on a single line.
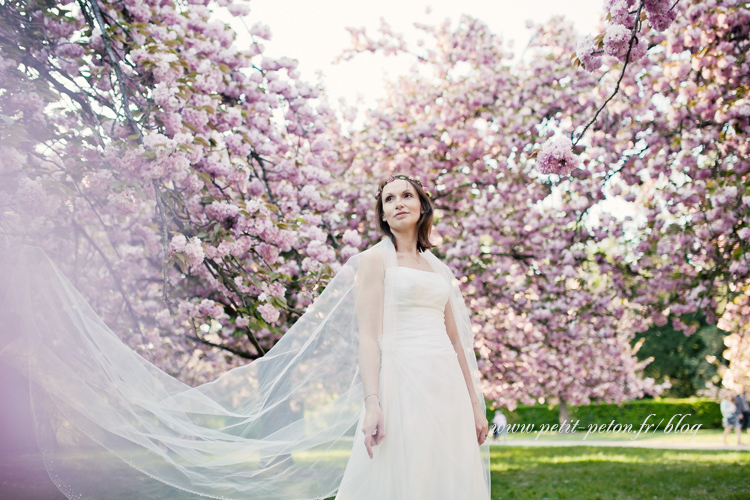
[[183, 183], [677, 143], [547, 321], [656, 114], [200, 194]]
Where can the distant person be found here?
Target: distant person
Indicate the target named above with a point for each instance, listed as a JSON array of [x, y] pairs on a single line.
[[730, 417], [743, 409], [499, 425]]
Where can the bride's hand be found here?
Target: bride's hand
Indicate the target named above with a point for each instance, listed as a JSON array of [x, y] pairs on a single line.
[[481, 425], [373, 427]]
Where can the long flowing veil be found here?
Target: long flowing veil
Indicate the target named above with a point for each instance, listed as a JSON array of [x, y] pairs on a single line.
[[110, 424]]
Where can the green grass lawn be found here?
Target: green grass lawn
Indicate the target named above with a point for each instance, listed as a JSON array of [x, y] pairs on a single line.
[[531, 472], [585, 472]]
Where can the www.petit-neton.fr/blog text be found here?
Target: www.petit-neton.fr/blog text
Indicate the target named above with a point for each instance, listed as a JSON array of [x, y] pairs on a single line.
[[647, 426]]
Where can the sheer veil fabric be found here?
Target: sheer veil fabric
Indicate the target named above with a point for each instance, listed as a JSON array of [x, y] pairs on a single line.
[[110, 424]]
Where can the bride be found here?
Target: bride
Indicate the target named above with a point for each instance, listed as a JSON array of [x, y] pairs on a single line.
[[373, 393], [421, 406]]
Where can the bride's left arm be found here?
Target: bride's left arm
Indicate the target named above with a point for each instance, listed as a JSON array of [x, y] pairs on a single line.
[[450, 327], [480, 420]]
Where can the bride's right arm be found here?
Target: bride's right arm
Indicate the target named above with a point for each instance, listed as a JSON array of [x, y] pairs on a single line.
[[368, 293], [369, 299]]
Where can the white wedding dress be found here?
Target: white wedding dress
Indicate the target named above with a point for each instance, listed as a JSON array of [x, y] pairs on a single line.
[[430, 449], [110, 424]]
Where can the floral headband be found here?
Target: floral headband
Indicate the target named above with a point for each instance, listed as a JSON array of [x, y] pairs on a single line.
[[394, 177]]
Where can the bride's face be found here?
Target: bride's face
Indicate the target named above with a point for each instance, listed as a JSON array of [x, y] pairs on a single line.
[[401, 206]]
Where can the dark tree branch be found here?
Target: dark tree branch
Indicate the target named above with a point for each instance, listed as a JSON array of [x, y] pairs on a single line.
[[111, 269], [114, 64], [237, 352], [636, 27]]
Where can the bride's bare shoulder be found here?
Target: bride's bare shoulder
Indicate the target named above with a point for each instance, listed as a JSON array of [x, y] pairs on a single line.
[[371, 262], [372, 257]]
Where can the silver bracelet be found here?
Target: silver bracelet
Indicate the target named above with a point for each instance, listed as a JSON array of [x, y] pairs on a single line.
[[372, 394]]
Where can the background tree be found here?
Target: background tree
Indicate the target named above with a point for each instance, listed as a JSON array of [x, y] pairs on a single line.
[[689, 363], [201, 195], [547, 323], [178, 180], [656, 112], [676, 143]]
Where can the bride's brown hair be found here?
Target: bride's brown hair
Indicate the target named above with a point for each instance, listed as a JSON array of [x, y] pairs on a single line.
[[424, 224]]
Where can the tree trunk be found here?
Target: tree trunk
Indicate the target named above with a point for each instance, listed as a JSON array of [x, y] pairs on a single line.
[[564, 418]]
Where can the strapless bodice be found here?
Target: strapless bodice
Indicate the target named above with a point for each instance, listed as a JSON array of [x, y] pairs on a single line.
[[415, 288], [420, 298]]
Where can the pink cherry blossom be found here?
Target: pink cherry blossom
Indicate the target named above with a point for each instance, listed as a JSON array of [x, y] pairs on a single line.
[[619, 11], [616, 40], [657, 6], [178, 243], [586, 52], [194, 252], [261, 31], [557, 157], [269, 312]]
